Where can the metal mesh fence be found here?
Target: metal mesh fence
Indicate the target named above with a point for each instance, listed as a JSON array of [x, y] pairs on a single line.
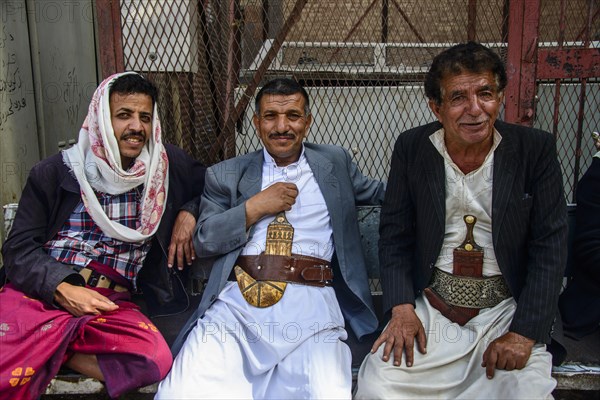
[[362, 62], [570, 108]]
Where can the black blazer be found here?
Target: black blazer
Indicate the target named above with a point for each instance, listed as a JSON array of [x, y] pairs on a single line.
[[580, 302], [529, 224]]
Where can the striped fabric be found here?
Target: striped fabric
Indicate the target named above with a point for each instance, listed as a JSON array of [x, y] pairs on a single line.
[[529, 222], [80, 240]]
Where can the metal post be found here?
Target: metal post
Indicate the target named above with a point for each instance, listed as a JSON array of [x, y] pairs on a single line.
[[472, 20], [110, 38], [522, 61], [385, 11], [231, 80], [582, 97], [557, 82]]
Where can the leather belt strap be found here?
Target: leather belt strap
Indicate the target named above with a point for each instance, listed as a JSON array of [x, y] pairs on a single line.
[[463, 291], [295, 268], [95, 279]]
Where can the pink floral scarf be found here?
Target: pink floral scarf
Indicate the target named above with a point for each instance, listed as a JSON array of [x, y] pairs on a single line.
[[96, 163]]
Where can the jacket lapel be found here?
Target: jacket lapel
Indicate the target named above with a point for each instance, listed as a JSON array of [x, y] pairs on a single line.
[[504, 175], [435, 173], [250, 181], [322, 170], [69, 183]]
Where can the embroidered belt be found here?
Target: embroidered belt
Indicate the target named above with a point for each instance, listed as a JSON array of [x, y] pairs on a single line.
[[95, 279], [295, 268], [469, 292]]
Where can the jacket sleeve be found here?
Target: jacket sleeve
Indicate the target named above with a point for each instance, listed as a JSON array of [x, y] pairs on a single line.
[[367, 191], [397, 242], [221, 225], [196, 173], [189, 179], [546, 244], [197, 183], [28, 266]]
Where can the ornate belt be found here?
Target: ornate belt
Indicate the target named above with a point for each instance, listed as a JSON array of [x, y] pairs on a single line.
[[465, 291], [295, 268], [262, 279]]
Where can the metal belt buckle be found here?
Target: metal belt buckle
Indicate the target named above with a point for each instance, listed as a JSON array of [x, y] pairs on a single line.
[[93, 279], [323, 268]]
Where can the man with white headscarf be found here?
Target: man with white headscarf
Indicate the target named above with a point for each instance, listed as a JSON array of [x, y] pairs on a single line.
[[89, 219]]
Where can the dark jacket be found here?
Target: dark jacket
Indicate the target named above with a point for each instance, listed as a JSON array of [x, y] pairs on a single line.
[[580, 302], [48, 199], [529, 222]]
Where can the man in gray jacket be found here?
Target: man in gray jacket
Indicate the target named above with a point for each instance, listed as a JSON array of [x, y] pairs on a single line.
[[278, 332]]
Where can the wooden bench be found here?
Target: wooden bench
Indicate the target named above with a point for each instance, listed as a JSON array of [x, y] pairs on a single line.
[[579, 374]]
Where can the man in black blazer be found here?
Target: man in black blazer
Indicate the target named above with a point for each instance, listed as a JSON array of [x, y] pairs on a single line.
[[509, 179]]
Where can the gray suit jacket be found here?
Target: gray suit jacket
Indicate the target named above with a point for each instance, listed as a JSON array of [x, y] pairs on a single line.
[[221, 229], [529, 222]]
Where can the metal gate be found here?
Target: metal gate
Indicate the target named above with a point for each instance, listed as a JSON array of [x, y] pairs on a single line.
[[554, 66], [362, 62]]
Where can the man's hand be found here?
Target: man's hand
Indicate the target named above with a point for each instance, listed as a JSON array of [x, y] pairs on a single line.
[[510, 351], [80, 301], [181, 245], [278, 197], [400, 335]]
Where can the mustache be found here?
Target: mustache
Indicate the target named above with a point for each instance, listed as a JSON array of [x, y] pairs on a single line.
[[128, 135], [282, 135], [474, 122]]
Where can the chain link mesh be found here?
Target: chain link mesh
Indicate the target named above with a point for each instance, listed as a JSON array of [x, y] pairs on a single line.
[[569, 108], [362, 62]]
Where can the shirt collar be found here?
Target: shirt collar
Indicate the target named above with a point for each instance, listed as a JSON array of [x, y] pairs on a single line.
[[437, 138], [269, 160]]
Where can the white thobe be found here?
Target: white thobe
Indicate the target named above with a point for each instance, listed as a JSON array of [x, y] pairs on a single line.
[[292, 349]]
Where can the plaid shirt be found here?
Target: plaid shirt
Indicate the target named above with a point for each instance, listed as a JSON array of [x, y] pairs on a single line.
[[80, 240]]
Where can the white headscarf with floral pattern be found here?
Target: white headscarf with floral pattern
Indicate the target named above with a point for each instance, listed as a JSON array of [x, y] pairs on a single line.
[[96, 163]]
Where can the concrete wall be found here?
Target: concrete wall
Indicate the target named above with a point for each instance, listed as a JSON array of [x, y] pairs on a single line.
[[48, 73]]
